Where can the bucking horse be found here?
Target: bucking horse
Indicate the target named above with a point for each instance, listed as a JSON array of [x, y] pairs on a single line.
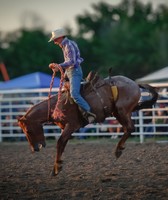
[[116, 96]]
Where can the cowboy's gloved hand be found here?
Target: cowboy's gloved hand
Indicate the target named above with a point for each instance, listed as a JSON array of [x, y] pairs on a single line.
[[53, 66]]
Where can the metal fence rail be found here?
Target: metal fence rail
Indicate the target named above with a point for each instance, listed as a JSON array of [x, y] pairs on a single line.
[[14, 103]]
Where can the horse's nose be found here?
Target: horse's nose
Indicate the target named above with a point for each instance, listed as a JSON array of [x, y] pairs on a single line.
[[36, 147], [43, 144]]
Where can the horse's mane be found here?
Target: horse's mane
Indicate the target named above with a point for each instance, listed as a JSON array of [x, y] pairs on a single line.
[[41, 103]]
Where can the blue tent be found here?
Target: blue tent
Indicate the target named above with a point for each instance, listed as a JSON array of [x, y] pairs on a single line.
[[34, 80]]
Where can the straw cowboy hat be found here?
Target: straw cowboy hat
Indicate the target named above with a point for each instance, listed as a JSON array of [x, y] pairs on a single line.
[[57, 33]]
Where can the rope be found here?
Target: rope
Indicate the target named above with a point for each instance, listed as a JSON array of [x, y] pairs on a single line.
[[57, 112], [49, 94]]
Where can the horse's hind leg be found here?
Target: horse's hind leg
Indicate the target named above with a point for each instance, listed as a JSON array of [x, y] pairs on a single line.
[[128, 127], [62, 141]]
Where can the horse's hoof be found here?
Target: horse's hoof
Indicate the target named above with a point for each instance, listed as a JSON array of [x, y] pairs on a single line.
[[57, 168], [118, 153], [53, 173]]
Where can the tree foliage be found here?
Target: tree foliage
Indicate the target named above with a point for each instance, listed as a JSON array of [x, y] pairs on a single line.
[[131, 37], [28, 51]]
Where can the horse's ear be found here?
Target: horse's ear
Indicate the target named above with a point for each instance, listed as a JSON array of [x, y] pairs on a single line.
[[20, 118]]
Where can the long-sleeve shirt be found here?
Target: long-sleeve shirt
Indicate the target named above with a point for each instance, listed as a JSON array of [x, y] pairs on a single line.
[[71, 54]]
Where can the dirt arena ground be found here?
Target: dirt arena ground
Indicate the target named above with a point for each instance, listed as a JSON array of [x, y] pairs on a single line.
[[90, 172]]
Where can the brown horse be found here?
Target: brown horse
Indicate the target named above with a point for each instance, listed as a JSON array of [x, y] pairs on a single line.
[[116, 96]]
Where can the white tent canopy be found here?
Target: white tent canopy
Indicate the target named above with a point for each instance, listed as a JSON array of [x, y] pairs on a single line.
[[157, 76]]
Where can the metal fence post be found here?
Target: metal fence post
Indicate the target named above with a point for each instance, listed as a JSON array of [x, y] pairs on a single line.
[[141, 135], [0, 126]]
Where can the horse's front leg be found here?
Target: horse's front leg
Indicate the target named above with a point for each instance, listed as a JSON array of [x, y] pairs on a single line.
[[62, 141], [58, 162]]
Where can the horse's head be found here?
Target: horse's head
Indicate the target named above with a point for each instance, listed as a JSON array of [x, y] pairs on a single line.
[[33, 131]]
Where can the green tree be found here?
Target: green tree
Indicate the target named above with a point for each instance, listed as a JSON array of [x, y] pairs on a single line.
[[129, 37], [27, 52]]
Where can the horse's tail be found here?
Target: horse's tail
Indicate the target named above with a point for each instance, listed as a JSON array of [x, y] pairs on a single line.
[[147, 103]]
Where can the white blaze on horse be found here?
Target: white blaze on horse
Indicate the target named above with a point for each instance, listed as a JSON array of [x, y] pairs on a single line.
[[116, 96]]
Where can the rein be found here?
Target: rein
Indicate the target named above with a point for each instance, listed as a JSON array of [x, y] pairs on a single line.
[[49, 94], [57, 112]]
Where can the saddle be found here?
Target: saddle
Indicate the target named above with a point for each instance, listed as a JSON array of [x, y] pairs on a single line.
[[92, 82]]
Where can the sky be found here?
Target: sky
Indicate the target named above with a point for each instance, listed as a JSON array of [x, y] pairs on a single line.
[[51, 13]]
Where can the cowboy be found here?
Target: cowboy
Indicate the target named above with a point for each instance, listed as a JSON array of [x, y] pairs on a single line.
[[73, 70]]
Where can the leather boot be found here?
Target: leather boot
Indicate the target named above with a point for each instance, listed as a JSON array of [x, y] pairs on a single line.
[[89, 116]]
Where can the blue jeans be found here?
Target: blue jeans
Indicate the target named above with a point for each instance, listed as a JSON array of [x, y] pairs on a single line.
[[75, 76]]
